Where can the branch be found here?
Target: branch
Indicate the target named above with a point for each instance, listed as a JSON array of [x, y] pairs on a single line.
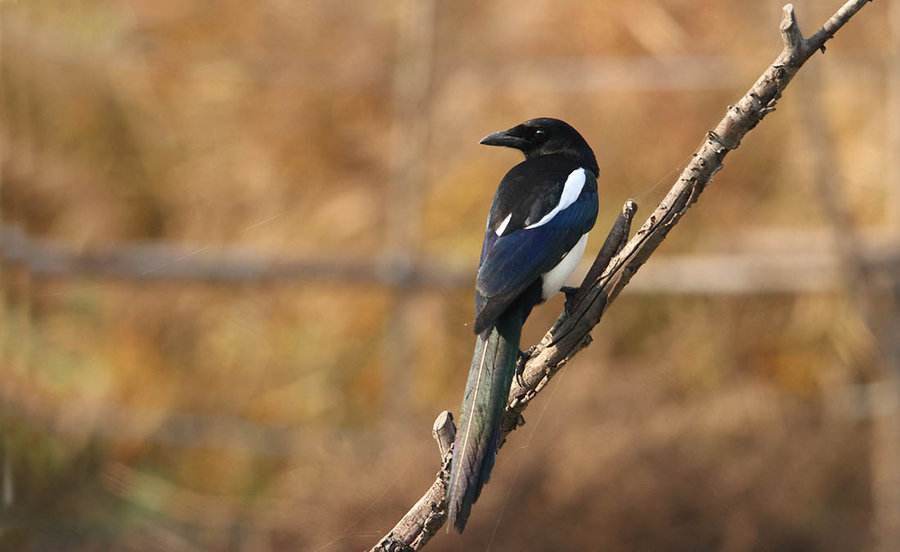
[[428, 514], [571, 332]]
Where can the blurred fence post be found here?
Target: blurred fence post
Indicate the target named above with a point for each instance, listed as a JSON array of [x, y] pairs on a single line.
[[409, 159], [873, 291], [892, 142], [6, 480], [23, 146], [886, 425]]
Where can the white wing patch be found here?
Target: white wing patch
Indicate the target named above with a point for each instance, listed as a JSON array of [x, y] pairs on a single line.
[[571, 191], [503, 225]]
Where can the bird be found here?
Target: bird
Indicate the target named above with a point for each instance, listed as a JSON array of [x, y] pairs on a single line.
[[535, 236]]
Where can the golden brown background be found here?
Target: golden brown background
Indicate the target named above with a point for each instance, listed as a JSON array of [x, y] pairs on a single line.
[[730, 399]]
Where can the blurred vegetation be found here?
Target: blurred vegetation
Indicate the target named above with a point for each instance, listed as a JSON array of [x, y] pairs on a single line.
[[191, 416]]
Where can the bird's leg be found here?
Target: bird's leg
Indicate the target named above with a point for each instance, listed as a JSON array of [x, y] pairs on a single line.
[[570, 293]]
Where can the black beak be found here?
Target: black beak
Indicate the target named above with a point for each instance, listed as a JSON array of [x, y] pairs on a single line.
[[504, 138]]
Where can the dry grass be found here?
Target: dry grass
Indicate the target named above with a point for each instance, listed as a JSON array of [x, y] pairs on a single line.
[[200, 417]]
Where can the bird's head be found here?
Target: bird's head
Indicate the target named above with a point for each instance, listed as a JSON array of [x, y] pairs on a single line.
[[543, 136]]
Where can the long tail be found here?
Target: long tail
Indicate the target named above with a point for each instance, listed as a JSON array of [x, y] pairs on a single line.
[[490, 377]]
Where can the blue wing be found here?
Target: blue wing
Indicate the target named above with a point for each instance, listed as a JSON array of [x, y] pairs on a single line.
[[511, 263]]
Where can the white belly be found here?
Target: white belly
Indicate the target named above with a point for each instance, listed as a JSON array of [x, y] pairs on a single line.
[[556, 278]]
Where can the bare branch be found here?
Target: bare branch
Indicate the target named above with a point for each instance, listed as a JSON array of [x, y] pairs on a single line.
[[428, 514], [444, 432], [571, 332], [614, 243], [790, 31]]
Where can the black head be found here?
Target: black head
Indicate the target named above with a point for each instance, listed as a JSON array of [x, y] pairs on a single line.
[[544, 136]]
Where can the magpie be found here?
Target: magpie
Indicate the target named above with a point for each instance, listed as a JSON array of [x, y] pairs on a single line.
[[536, 233]]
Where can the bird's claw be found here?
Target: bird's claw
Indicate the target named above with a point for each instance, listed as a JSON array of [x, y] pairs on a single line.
[[520, 365]]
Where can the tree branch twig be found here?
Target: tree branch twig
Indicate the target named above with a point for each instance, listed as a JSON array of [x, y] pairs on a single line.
[[616, 264]]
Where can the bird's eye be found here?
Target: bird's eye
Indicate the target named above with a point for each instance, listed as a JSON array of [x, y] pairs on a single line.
[[539, 133]]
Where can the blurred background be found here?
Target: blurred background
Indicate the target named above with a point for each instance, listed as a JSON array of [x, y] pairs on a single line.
[[239, 241]]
